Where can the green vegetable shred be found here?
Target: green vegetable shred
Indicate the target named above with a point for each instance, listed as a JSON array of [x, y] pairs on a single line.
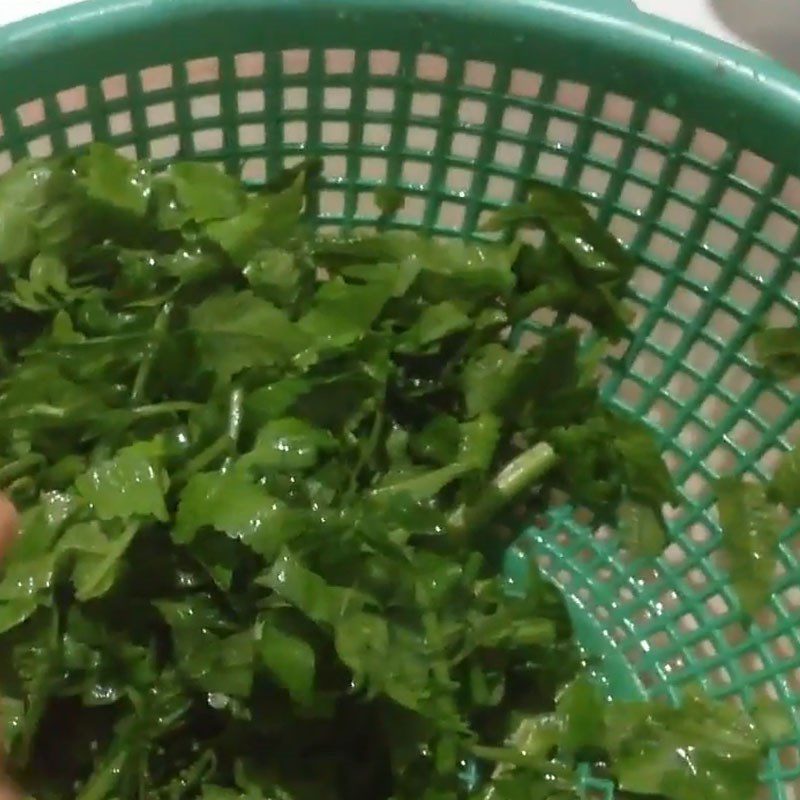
[[266, 479]]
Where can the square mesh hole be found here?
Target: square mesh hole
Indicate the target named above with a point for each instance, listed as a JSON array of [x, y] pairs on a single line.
[[779, 230], [413, 210], [678, 216], [249, 65], [295, 132], [337, 98], [380, 100], [744, 434], [517, 120], [508, 154], [79, 135], [295, 62], [459, 180], [252, 135], [72, 100], [41, 147], [648, 162], [524, 83], [335, 132], [661, 247], [115, 87], [416, 173], [755, 170], [431, 67], [605, 146], [420, 138], [207, 140], [202, 70], [377, 134], [709, 147], [572, 95], [451, 216], [32, 113], [383, 62], [552, 166], [736, 205], [295, 98], [334, 167], [744, 293], [661, 126], [479, 74], [162, 147], [120, 123], [594, 180], [500, 189], [466, 145], [374, 169], [254, 170], [692, 182], [636, 196], [160, 114], [339, 62], [250, 101], [723, 324], [154, 79], [472, 112], [331, 203], [624, 228], [617, 109], [721, 238], [206, 106], [561, 131], [426, 104]]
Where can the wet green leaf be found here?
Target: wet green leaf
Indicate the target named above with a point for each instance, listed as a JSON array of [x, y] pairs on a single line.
[[113, 180], [778, 349], [642, 529], [290, 659], [750, 529], [267, 481], [232, 503], [288, 444], [785, 485], [237, 330], [131, 484], [206, 192]]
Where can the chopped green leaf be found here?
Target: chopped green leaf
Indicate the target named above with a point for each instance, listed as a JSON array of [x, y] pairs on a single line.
[[642, 529], [205, 192], [290, 659], [288, 444], [785, 485], [232, 503], [237, 330], [389, 200], [750, 529], [97, 555], [112, 180], [267, 479], [778, 349], [129, 485]]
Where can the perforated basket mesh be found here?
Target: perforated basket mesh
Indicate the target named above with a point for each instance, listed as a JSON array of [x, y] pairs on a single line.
[[686, 149]]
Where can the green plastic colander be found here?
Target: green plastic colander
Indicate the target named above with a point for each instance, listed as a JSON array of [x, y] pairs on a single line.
[[688, 149]]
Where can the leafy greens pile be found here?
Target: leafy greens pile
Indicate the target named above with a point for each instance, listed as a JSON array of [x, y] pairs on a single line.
[[267, 479]]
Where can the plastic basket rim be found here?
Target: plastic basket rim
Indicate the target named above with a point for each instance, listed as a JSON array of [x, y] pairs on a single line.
[[689, 68]]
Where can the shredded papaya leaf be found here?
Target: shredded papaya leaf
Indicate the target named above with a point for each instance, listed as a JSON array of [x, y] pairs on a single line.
[[778, 349], [264, 476]]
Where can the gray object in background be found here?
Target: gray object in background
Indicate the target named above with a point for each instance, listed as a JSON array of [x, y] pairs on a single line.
[[772, 26]]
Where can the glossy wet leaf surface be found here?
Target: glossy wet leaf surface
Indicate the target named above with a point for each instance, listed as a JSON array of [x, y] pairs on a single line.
[[267, 478]]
